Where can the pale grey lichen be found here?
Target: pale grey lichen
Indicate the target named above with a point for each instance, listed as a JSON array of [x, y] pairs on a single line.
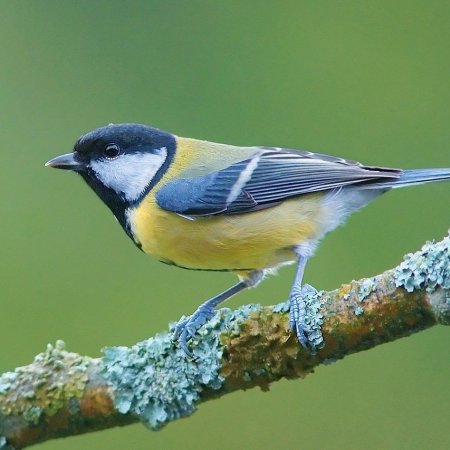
[[233, 319], [158, 382], [365, 288], [359, 311], [281, 307], [428, 268]]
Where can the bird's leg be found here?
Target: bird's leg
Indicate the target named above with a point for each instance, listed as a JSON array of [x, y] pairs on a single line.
[[298, 306], [186, 329]]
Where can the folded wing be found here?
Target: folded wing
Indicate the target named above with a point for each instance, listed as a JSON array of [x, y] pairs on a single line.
[[267, 178]]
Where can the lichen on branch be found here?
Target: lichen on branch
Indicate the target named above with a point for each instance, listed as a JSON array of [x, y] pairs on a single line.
[[62, 393]]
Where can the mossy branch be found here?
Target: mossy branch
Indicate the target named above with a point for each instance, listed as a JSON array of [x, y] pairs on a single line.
[[62, 393]]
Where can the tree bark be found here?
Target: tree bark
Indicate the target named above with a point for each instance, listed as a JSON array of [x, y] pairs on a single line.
[[62, 393]]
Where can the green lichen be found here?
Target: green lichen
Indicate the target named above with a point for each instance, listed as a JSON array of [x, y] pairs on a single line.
[[156, 381], [44, 386], [428, 268]]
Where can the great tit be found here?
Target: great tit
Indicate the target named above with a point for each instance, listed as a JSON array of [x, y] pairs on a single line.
[[207, 206]]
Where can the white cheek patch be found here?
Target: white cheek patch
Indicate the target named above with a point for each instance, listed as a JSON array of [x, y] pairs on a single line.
[[129, 174]]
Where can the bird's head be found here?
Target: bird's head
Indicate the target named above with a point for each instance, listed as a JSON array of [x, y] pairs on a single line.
[[120, 162]]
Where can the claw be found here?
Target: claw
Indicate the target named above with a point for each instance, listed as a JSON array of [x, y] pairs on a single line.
[[298, 313], [186, 329]]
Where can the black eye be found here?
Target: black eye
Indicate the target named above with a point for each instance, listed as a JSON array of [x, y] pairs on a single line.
[[111, 151]]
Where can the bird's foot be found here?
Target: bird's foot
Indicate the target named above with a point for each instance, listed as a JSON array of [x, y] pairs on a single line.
[[305, 319], [185, 329]]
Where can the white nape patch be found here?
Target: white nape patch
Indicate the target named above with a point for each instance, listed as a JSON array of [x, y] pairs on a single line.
[[129, 174], [243, 179]]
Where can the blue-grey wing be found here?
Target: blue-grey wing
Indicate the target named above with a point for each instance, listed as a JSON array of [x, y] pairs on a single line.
[[265, 179]]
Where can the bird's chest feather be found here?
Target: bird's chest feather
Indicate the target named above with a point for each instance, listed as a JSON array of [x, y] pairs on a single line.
[[253, 240]]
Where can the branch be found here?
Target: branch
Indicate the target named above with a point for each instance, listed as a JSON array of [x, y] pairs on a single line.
[[63, 393]]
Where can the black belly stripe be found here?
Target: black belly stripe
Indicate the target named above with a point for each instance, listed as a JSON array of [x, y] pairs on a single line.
[[171, 263]]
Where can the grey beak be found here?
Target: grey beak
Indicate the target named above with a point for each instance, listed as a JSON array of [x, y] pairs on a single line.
[[67, 162]]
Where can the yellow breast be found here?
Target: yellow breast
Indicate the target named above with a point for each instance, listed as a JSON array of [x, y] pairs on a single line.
[[254, 240]]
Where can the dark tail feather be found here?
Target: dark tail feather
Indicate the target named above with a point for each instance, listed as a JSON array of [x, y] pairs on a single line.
[[411, 177]]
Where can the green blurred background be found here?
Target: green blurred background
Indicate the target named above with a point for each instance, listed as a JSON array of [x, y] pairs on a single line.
[[359, 79]]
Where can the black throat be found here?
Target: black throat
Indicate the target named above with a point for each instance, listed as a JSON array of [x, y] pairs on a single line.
[[115, 202]]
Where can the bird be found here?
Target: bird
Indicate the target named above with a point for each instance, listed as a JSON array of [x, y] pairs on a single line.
[[208, 206]]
